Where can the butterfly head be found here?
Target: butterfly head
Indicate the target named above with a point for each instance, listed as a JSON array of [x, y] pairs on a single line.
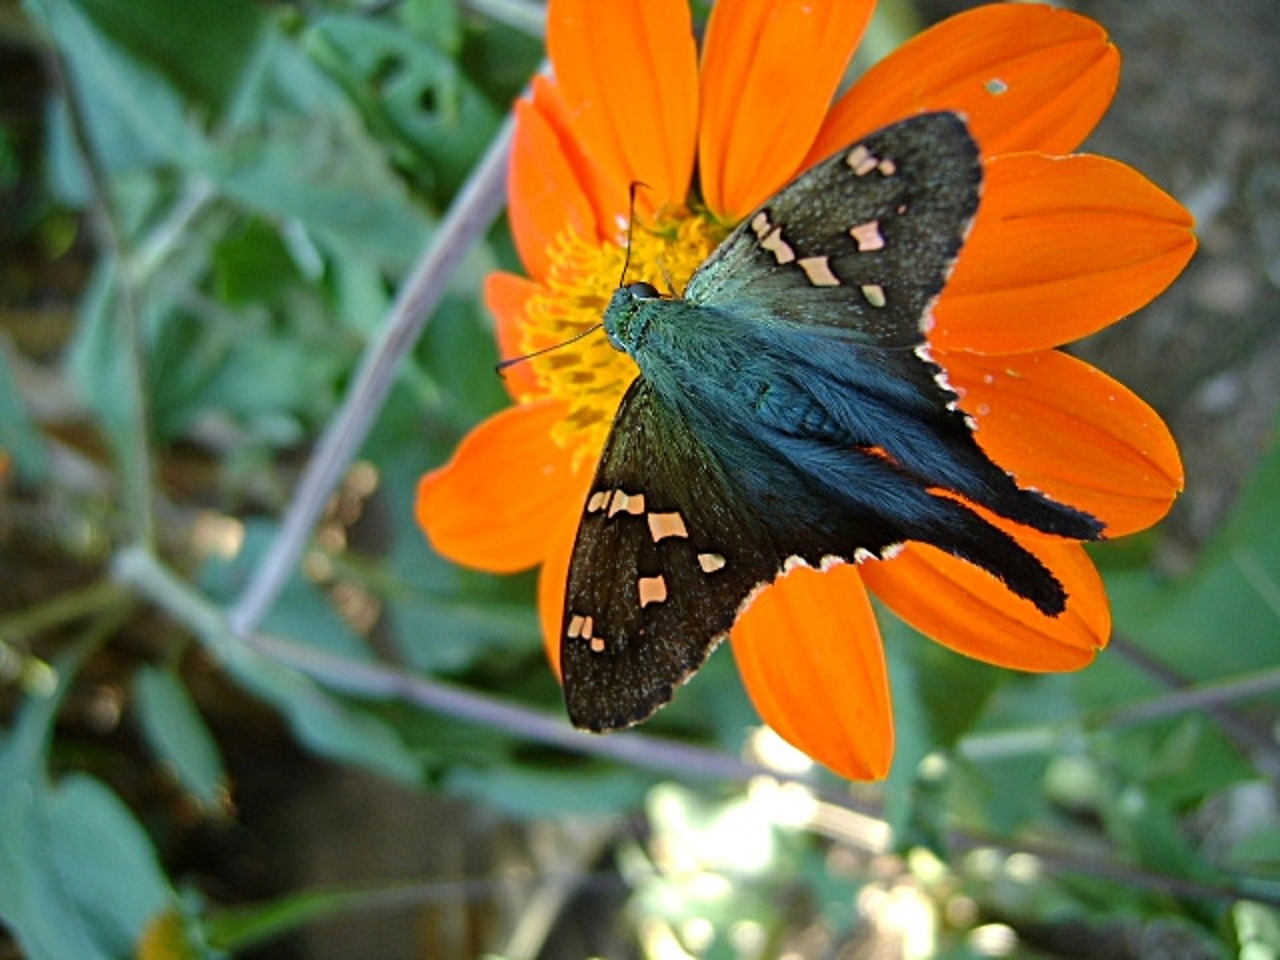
[[626, 320]]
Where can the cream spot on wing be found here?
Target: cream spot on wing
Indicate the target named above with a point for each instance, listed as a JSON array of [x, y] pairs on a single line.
[[630, 503], [780, 249], [861, 161], [663, 525], [887, 167], [598, 501], [710, 562], [874, 294], [597, 645], [652, 590], [867, 236], [575, 626], [818, 270]]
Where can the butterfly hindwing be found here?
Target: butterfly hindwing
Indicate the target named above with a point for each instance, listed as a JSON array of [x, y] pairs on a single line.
[[863, 241], [666, 554]]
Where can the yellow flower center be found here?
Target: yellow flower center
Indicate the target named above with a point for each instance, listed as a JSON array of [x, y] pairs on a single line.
[[590, 374]]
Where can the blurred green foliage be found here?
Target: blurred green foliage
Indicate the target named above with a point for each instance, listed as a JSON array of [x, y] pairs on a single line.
[[259, 178]]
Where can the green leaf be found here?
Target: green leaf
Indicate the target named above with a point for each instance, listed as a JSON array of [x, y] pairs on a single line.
[[530, 789], [324, 723], [1234, 593], [165, 33], [252, 265], [104, 861], [1259, 850], [78, 875], [411, 93], [437, 22], [19, 437], [298, 151], [937, 697], [273, 375], [178, 735], [96, 359], [134, 116], [443, 618], [240, 928]]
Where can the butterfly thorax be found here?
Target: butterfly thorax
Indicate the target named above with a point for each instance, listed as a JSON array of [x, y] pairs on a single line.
[[722, 371], [627, 318]]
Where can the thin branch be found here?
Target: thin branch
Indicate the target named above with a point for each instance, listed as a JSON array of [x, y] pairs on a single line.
[[1210, 696], [1252, 740], [155, 248], [1058, 860], [62, 609], [473, 210], [374, 681], [1249, 686], [134, 450]]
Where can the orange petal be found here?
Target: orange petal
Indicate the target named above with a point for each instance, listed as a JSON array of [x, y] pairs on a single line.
[[1061, 247], [967, 609], [506, 294], [494, 506], [809, 653], [1026, 78], [769, 71], [628, 76], [544, 195], [552, 579], [605, 188], [1064, 427]]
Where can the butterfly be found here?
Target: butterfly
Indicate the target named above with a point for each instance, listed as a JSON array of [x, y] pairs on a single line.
[[788, 412]]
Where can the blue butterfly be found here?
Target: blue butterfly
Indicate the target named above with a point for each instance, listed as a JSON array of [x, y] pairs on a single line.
[[788, 412]]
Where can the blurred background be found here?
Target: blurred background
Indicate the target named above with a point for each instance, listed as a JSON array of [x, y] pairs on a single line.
[[228, 194]]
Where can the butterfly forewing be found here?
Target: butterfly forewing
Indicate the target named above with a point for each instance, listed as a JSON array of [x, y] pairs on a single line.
[[666, 553], [863, 241]]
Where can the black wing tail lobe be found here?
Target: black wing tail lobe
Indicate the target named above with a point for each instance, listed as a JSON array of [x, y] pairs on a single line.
[[844, 502]]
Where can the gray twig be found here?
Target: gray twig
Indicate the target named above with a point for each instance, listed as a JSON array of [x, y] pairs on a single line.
[[473, 210]]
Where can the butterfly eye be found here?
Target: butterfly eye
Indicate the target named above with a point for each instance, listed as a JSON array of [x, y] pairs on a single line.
[[642, 291]]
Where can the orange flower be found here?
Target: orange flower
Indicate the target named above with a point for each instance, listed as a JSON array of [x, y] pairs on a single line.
[[1061, 246]]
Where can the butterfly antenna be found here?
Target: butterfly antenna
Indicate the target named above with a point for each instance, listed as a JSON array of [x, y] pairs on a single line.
[[512, 361], [631, 225]]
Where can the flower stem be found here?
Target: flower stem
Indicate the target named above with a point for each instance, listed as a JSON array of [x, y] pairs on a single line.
[[473, 210], [132, 444]]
